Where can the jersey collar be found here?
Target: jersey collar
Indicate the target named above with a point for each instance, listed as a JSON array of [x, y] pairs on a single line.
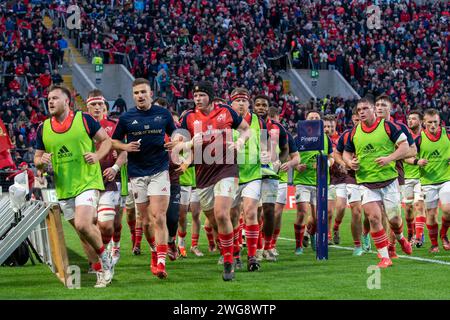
[[433, 137]]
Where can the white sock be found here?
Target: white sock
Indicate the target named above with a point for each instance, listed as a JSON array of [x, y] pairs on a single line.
[[399, 236], [383, 252]]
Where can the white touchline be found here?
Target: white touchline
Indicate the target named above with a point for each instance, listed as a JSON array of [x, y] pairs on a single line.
[[400, 256]]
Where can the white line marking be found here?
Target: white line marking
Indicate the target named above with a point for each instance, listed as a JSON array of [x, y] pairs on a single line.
[[374, 252]]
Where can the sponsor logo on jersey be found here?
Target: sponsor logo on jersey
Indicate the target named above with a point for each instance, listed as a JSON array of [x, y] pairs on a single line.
[[368, 149], [64, 153], [221, 118], [135, 122], [435, 154]]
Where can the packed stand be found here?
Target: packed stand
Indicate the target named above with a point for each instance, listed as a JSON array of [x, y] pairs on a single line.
[[28, 54]]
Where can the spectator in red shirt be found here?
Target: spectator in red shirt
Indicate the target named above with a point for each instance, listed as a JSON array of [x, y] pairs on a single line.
[[45, 79]]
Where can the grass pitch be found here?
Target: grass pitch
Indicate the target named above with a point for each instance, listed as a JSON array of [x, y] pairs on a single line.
[[291, 277]]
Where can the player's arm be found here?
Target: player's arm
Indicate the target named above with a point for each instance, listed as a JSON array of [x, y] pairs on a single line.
[[294, 160], [41, 158], [284, 145], [399, 153], [110, 173], [244, 134], [105, 146], [349, 155], [339, 150], [400, 140], [330, 153], [119, 134], [412, 151], [414, 160]]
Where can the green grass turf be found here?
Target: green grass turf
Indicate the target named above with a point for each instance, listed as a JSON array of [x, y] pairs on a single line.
[[292, 277]]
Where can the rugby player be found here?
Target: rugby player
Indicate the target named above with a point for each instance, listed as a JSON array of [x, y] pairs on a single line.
[[412, 190], [305, 181], [383, 107], [249, 190], [337, 199], [285, 168], [66, 141], [279, 152], [353, 194], [216, 172], [372, 149], [145, 127], [433, 147]]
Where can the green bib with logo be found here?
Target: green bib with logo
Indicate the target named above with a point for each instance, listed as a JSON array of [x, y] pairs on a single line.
[[309, 176], [248, 157], [73, 175], [370, 146], [437, 153]]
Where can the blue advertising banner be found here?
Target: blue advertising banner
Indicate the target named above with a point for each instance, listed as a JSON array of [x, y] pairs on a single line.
[[310, 135]]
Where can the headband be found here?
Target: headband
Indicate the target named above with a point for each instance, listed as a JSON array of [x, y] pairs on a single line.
[[240, 96], [95, 99]]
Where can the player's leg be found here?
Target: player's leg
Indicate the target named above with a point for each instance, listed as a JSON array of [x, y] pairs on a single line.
[[130, 208], [279, 207], [224, 193], [372, 206], [182, 220], [408, 200], [85, 211], [210, 235], [444, 197], [140, 190], [269, 193], [303, 198], [139, 232], [115, 250], [172, 221], [234, 216], [392, 206], [331, 209], [87, 248], [251, 195], [419, 211], [106, 213], [341, 205], [159, 195], [196, 224]]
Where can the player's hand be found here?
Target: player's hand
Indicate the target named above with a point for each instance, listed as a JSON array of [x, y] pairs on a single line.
[[46, 158], [134, 146], [301, 167], [341, 169], [383, 161], [182, 168], [173, 143], [264, 157], [90, 157], [422, 162], [109, 174], [285, 166], [276, 165], [354, 164]]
